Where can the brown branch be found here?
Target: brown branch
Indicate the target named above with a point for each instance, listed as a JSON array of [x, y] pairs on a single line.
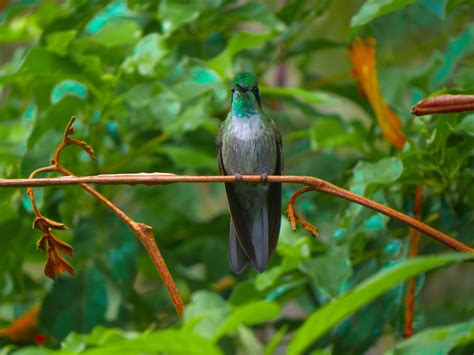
[[55, 262], [444, 104], [312, 182], [55, 247]]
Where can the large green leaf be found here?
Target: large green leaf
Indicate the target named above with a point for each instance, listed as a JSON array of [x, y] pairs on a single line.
[[438, 340], [86, 293], [168, 341], [329, 315]]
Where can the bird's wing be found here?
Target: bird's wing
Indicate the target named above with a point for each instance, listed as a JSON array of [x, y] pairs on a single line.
[[274, 198], [220, 166], [240, 232]]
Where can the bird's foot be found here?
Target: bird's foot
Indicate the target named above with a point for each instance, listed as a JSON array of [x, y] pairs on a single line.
[[264, 177], [238, 177]]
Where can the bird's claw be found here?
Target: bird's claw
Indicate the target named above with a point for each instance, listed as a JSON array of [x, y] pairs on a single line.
[[238, 177], [264, 177]]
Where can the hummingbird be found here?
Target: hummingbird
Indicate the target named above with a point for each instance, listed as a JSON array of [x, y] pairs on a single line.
[[248, 143]]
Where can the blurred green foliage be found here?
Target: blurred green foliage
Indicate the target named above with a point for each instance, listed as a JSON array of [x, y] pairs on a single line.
[[149, 83]]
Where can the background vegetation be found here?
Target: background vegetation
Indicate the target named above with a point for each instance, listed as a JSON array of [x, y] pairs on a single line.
[[150, 83]]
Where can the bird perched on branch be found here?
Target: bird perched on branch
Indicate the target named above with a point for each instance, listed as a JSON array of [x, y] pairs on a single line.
[[248, 143]]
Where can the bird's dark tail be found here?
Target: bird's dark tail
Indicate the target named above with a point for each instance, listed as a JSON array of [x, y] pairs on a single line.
[[257, 242], [260, 238], [237, 257]]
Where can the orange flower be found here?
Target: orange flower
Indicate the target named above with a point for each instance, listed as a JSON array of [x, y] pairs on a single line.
[[24, 328], [362, 57]]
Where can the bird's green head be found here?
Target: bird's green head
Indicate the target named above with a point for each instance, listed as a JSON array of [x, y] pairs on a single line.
[[245, 95]]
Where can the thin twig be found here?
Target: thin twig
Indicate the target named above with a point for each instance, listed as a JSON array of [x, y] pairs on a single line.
[[315, 183], [415, 241], [55, 262]]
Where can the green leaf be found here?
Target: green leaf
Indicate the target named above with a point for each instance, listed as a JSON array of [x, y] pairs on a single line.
[[193, 117], [331, 314], [248, 314], [146, 55], [205, 313], [58, 42], [328, 132], [174, 14], [248, 341], [256, 11], [275, 340], [381, 173], [66, 88], [118, 33], [268, 278], [155, 104], [55, 118], [87, 295], [313, 45], [244, 292], [371, 9], [162, 341], [438, 7], [467, 125], [313, 96], [458, 47], [187, 157], [8, 200], [439, 340], [329, 272], [39, 62], [453, 4], [116, 10], [196, 81], [101, 335], [222, 64], [33, 350]]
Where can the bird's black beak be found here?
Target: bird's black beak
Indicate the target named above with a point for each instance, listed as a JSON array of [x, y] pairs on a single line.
[[242, 88]]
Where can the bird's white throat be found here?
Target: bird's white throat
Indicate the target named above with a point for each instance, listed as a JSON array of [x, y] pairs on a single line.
[[247, 128]]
